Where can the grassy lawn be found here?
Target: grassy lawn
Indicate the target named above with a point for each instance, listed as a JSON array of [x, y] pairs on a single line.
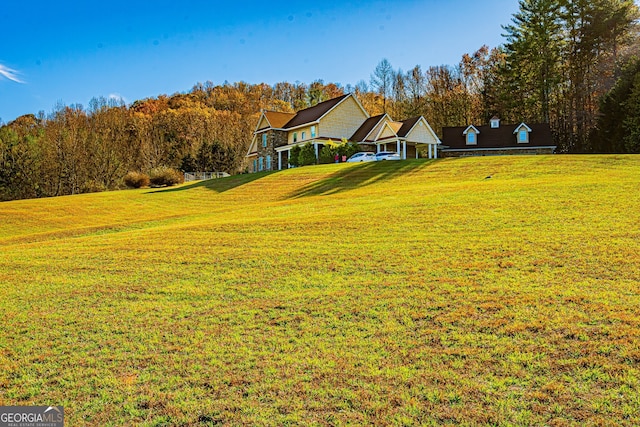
[[392, 293]]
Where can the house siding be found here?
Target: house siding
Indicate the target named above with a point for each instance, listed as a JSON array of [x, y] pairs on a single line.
[[343, 121], [387, 133], [264, 123], [306, 130], [421, 134], [376, 130]]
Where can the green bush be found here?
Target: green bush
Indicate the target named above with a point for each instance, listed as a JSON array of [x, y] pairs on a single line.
[[348, 149], [307, 155], [136, 180], [328, 154], [294, 156], [164, 176]]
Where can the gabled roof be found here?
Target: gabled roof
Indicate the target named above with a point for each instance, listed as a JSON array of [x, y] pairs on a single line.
[[407, 125], [313, 114], [394, 127], [363, 132], [275, 120], [278, 119], [521, 125], [501, 137], [475, 129], [410, 124]]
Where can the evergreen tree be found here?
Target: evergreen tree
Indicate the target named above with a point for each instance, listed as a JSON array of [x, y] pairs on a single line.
[[534, 48]]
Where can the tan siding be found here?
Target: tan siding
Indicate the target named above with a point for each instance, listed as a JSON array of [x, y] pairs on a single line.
[[264, 123], [421, 134], [376, 129], [306, 130], [342, 121], [386, 133]]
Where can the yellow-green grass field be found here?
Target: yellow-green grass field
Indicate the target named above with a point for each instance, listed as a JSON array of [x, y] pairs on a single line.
[[391, 293]]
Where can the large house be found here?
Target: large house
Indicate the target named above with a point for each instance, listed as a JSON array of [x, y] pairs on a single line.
[[338, 119], [497, 139]]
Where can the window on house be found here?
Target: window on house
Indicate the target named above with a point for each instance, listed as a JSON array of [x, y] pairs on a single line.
[[295, 137], [255, 165], [304, 136], [260, 164], [495, 123], [313, 131], [523, 136], [471, 138], [264, 139], [268, 166]]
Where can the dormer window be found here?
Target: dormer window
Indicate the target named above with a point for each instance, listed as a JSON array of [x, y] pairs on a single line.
[[471, 138], [523, 136], [471, 135], [522, 133], [495, 122]]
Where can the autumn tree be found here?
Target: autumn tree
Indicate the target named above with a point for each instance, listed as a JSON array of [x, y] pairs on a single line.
[[382, 81]]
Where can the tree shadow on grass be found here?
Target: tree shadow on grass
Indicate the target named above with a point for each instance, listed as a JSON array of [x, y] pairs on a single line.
[[219, 185], [358, 176]]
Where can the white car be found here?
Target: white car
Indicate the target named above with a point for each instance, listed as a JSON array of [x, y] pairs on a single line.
[[362, 156], [387, 155]]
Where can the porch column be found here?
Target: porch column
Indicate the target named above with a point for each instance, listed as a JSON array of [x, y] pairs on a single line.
[[417, 151], [398, 146], [404, 150], [435, 151], [279, 160], [377, 148], [315, 146], [429, 151]]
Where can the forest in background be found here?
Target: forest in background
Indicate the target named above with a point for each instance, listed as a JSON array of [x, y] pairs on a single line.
[[570, 63]]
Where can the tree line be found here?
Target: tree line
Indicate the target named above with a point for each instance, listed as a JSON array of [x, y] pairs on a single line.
[[569, 63]]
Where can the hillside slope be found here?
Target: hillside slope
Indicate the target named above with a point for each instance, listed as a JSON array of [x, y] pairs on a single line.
[[483, 291]]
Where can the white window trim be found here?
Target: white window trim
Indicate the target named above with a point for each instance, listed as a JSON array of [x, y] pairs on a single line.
[[475, 138]]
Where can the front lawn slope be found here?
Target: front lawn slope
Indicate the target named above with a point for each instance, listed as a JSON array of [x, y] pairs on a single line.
[[480, 291]]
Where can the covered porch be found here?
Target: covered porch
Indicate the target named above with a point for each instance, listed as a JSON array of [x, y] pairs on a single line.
[[407, 149], [284, 151]]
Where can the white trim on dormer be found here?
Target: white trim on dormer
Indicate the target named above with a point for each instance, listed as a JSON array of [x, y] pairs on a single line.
[[520, 125], [471, 130], [475, 130]]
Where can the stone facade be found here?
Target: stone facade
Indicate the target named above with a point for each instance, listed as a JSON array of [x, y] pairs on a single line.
[[275, 138]]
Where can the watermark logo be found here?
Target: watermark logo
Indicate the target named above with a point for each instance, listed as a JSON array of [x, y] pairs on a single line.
[[31, 416]]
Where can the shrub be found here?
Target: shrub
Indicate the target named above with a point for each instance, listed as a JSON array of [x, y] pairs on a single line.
[[294, 156], [136, 180], [307, 155], [328, 154], [348, 149], [164, 176]]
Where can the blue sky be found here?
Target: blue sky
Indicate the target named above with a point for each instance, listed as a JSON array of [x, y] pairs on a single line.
[[69, 52]]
